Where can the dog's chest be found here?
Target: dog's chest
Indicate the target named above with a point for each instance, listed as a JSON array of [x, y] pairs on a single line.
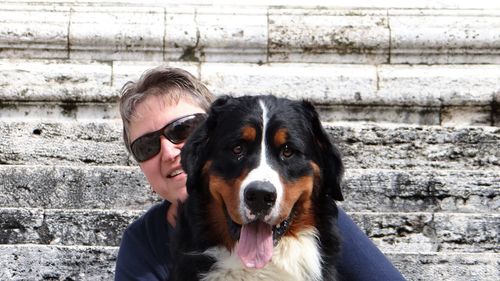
[[293, 259]]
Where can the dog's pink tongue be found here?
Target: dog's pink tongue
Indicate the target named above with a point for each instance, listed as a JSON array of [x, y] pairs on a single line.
[[255, 247]]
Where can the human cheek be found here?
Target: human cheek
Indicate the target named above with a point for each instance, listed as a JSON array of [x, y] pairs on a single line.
[[152, 172]]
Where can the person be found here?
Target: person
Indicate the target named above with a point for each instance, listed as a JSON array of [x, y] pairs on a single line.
[[159, 111]]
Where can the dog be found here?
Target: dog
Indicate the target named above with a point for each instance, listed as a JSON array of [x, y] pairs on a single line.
[[262, 179]]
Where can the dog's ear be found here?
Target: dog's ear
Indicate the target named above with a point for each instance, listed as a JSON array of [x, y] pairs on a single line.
[[194, 153], [328, 155]]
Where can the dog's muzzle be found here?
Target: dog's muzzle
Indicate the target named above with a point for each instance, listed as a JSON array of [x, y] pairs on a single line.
[[260, 197]]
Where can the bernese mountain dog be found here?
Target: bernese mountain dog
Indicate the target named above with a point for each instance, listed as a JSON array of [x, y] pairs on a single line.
[[263, 178]]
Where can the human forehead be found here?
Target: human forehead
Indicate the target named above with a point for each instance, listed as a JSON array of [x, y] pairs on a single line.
[[154, 112]]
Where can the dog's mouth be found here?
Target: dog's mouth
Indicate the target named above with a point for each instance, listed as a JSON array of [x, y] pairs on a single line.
[[256, 240]]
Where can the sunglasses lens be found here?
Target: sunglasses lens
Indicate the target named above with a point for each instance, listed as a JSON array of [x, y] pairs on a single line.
[[180, 130], [146, 147]]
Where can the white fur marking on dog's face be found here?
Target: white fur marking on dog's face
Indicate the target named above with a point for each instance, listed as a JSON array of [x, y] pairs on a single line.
[[294, 259], [263, 172]]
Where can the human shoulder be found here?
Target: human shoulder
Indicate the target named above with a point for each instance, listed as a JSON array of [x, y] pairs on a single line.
[[154, 218], [143, 253]]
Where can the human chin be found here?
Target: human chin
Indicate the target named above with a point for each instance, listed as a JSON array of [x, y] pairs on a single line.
[[175, 191]]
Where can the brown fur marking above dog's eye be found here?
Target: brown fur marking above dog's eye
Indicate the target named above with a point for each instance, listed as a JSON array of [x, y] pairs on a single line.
[[280, 137], [249, 133]]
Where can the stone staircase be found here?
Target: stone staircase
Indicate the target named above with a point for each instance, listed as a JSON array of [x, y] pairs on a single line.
[[408, 91]]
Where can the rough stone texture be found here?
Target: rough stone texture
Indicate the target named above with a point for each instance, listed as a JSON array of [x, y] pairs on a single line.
[[42, 262], [119, 187], [40, 32], [410, 147], [118, 33], [466, 191], [402, 232], [70, 187], [64, 227], [52, 81], [216, 34], [323, 35], [427, 232], [447, 266], [399, 85], [320, 83], [444, 36], [428, 115], [70, 143], [431, 95], [427, 95], [260, 33], [449, 85], [362, 146], [58, 110]]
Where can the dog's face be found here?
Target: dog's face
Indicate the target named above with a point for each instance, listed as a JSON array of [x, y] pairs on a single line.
[[260, 163]]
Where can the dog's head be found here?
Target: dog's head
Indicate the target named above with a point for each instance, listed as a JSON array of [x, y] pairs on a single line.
[[260, 163]]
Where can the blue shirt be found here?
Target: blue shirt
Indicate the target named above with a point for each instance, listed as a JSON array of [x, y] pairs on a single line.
[[144, 251]]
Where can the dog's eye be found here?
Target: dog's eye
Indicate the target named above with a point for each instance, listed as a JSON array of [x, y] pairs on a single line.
[[237, 150], [286, 152]]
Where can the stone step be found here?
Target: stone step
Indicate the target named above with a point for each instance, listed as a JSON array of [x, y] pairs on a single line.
[[53, 262], [427, 95], [382, 146], [447, 266], [258, 34], [431, 232], [50, 262], [122, 187], [86, 227], [394, 231]]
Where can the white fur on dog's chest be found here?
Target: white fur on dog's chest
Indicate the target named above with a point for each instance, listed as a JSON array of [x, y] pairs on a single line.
[[293, 259]]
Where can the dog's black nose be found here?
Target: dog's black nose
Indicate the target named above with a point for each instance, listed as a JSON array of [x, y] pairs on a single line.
[[260, 196]]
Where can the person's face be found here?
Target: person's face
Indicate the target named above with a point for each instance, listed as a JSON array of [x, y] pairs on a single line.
[[163, 171]]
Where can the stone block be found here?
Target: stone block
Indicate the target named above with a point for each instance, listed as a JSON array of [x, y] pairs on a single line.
[[34, 32], [64, 227], [427, 232], [437, 85], [467, 115], [383, 113], [447, 266], [328, 35], [75, 187], [319, 83], [88, 142], [117, 33], [52, 142], [421, 191], [410, 147], [445, 36], [122, 187], [52, 81], [216, 34], [63, 110], [467, 232], [182, 35], [42, 262]]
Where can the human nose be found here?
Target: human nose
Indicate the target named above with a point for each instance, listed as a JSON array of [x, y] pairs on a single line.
[[169, 151]]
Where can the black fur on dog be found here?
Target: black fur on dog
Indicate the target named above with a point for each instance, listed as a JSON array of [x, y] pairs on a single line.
[[265, 163]]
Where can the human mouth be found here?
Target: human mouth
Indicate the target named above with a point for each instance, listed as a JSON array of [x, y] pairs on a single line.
[[175, 173]]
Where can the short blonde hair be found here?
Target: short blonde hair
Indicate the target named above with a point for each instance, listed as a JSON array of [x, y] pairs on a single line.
[[171, 83]]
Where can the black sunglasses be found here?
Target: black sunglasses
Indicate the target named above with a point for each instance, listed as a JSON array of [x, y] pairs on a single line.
[[147, 146]]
